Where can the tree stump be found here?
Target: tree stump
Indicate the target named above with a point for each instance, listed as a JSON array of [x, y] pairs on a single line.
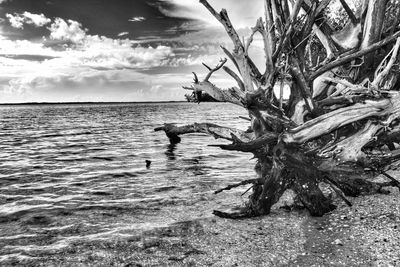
[[341, 121]]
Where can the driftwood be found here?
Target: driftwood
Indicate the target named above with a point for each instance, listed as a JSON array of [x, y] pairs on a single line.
[[340, 125], [229, 187], [198, 97]]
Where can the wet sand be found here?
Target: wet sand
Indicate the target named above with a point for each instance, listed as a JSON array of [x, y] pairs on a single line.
[[363, 235]]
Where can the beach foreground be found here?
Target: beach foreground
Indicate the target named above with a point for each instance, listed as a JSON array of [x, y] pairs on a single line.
[[362, 235], [83, 196]]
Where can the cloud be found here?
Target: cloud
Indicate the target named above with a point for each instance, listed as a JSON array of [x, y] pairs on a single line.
[[18, 20], [67, 31], [95, 52], [202, 28], [91, 85], [38, 20], [101, 52], [104, 53], [122, 34], [72, 65], [242, 13], [72, 62], [25, 47], [137, 19]]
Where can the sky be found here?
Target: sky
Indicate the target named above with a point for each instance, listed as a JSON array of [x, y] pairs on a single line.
[[112, 50]]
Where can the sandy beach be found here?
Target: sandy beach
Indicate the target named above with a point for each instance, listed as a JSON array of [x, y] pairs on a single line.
[[366, 234]]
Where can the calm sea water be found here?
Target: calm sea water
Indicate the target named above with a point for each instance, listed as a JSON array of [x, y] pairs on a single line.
[[73, 173]]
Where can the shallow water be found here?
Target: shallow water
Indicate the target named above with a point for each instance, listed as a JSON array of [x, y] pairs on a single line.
[[75, 173]]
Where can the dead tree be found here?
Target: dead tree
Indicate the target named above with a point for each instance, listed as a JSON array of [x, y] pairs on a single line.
[[341, 123]]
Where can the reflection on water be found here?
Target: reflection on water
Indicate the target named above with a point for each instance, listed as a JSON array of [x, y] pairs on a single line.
[[75, 173], [170, 151]]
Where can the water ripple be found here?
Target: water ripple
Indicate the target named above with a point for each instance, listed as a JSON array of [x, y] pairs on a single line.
[[75, 173]]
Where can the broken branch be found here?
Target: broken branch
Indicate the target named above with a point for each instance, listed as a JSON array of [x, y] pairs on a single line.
[[229, 187]]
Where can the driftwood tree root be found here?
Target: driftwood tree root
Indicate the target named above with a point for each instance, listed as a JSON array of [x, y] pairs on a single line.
[[341, 123]]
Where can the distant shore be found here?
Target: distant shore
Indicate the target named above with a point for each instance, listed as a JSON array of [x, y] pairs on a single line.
[[88, 103]]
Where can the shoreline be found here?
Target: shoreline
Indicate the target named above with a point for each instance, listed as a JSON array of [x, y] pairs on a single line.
[[363, 235]]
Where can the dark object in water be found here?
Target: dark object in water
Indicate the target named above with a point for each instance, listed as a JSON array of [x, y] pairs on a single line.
[[148, 163], [200, 97]]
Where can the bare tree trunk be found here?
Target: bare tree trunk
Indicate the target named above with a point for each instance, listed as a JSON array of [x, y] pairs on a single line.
[[341, 123]]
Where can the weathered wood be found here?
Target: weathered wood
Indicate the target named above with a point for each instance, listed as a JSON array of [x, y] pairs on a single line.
[[350, 149], [211, 71], [223, 18], [383, 73], [229, 187], [331, 121], [305, 184], [232, 95], [343, 60], [349, 11], [173, 131], [256, 146], [341, 123], [289, 29], [274, 186]]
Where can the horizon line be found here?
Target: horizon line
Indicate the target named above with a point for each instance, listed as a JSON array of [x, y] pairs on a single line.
[[90, 102]]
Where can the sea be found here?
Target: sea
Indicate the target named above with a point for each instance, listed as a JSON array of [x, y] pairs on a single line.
[[72, 173]]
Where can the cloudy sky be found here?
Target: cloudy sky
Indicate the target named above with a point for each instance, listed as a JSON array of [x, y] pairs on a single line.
[[110, 50]]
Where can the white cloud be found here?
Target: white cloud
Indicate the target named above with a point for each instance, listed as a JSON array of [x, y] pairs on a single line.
[[25, 47], [71, 31], [78, 66], [81, 61], [18, 20], [242, 13], [89, 50], [91, 85], [207, 29], [105, 53], [94, 52], [38, 20], [137, 19], [122, 34]]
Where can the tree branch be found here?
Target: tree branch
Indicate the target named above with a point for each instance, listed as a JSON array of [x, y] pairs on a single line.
[[382, 75], [232, 95], [342, 60], [223, 18], [173, 131], [211, 71], [289, 26], [229, 187], [349, 11], [333, 120], [255, 146], [350, 148], [270, 26], [236, 77]]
